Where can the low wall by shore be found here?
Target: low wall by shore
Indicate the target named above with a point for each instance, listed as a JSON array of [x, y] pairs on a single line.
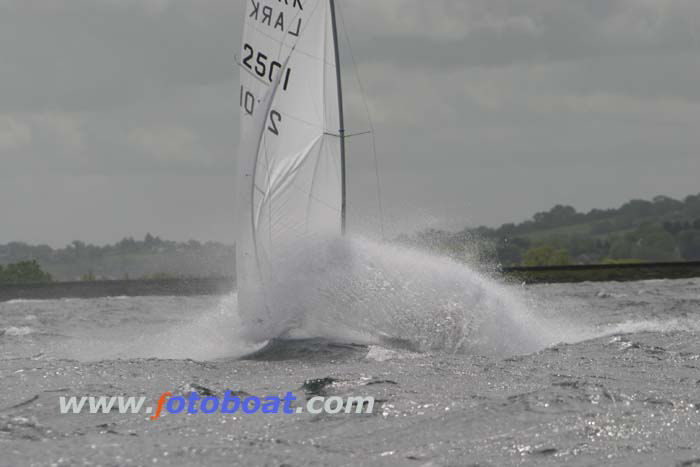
[[603, 273], [128, 288], [225, 285]]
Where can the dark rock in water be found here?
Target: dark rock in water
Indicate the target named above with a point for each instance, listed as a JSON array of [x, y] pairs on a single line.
[[203, 391], [316, 387], [23, 429], [381, 381], [207, 392], [107, 428]]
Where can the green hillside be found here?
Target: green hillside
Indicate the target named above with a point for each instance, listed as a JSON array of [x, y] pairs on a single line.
[[663, 229]]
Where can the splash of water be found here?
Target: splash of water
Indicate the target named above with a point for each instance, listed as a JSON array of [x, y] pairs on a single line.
[[354, 289], [347, 290]]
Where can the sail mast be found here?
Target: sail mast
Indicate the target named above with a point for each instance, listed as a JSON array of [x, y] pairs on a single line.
[[341, 130]]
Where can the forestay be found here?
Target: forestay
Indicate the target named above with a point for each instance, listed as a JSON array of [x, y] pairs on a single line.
[[290, 173]]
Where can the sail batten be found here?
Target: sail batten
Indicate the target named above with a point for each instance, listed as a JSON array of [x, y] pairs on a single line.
[[291, 180]]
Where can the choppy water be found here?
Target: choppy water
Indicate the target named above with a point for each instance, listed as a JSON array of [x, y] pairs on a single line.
[[586, 374]]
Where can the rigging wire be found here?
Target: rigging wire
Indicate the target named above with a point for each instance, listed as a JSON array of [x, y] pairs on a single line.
[[369, 120]]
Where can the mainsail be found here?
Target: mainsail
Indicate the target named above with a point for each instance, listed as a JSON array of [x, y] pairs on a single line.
[[291, 160]]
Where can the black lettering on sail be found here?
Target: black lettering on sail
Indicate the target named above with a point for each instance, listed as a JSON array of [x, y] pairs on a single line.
[[267, 15], [256, 8], [295, 4], [298, 29], [280, 22]]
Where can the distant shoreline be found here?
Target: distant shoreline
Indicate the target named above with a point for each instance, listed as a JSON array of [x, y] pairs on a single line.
[[226, 285], [629, 272], [119, 288]]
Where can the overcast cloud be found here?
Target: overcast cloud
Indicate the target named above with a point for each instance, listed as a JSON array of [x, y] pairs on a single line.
[[119, 117]]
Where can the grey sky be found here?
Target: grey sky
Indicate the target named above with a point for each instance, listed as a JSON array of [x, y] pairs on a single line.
[[119, 117]]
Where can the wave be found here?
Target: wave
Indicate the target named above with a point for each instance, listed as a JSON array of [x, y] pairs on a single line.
[[17, 331], [571, 333], [659, 326], [21, 301], [209, 336]]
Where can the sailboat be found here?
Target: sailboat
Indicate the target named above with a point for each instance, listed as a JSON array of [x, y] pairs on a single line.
[[291, 164]]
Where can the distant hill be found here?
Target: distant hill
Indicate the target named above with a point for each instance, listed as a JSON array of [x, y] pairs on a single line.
[[663, 229], [129, 258]]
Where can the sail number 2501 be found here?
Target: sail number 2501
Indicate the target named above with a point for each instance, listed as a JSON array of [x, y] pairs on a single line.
[[262, 66]]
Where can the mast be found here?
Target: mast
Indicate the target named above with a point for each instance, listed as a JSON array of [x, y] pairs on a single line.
[[341, 130]]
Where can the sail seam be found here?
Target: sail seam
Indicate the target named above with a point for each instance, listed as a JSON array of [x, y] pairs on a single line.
[[297, 187], [313, 184], [293, 117]]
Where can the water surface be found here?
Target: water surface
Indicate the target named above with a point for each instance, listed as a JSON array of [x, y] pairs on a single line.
[[586, 374]]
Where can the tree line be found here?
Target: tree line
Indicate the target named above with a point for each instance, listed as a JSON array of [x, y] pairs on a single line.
[[662, 229], [24, 272], [128, 258]]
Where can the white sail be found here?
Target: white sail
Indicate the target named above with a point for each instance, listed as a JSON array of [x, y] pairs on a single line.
[[290, 175]]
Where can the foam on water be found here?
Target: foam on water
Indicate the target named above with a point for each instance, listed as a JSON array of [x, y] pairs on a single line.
[[17, 331], [661, 326], [357, 290], [21, 301], [571, 332]]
